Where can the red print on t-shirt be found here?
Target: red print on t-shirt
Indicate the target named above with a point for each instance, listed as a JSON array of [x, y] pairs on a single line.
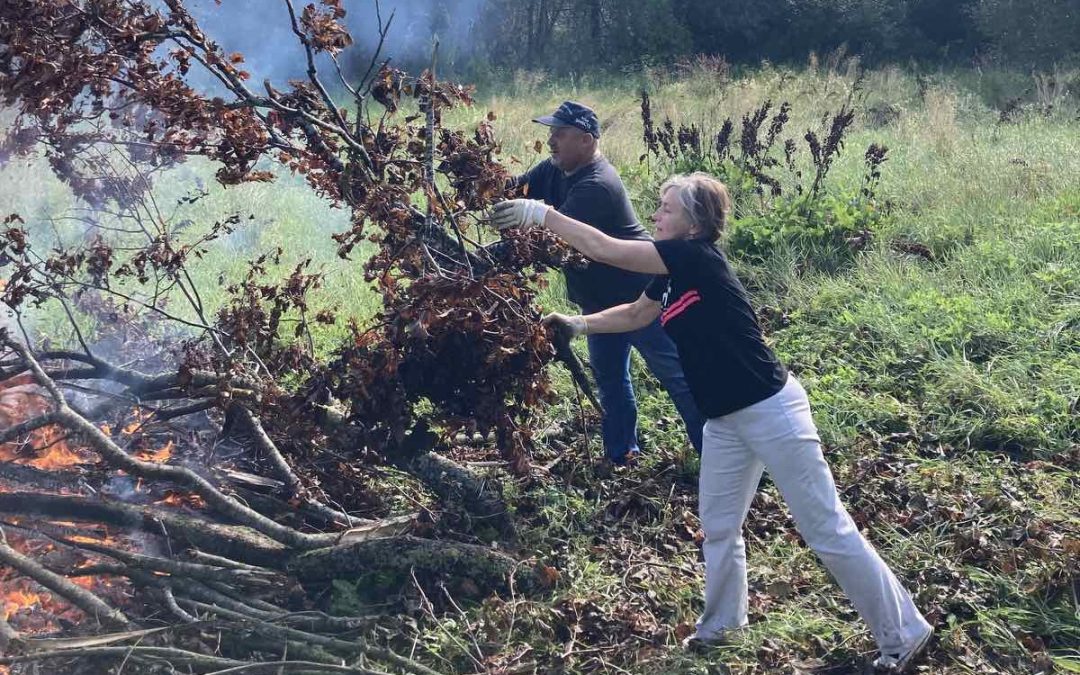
[[679, 306]]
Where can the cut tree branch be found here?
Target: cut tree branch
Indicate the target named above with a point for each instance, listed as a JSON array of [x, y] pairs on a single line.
[[119, 459], [94, 606]]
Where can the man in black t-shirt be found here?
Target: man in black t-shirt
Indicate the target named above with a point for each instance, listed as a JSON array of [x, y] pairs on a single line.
[[579, 182]]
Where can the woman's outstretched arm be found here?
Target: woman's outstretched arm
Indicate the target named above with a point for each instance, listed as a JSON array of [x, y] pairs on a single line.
[[624, 318], [627, 254], [632, 255], [618, 319]]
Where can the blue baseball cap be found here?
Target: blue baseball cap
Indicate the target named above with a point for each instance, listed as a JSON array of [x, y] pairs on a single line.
[[573, 114]]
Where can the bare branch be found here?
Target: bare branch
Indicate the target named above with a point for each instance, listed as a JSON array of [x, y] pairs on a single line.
[[83, 599], [11, 433], [117, 458], [139, 652]]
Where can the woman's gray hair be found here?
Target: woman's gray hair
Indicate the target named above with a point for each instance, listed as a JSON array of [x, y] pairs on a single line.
[[704, 199]]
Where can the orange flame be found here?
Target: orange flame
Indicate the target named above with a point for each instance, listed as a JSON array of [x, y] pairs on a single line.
[[159, 456], [174, 498], [136, 424], [21, 400], [57, 454], [19, 599]]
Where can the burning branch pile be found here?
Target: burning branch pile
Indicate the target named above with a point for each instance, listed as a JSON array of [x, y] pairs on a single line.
[[198, 510]]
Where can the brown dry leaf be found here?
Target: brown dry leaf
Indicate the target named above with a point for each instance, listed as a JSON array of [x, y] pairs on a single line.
[[549, 576], [683, 631]]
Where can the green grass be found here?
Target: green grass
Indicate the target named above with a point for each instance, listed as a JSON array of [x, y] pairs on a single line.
[[946, 390]]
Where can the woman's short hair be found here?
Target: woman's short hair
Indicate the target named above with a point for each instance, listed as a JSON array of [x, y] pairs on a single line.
[[705, 200]]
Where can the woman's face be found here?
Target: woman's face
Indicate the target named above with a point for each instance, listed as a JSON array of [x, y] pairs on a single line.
[[671, 219]]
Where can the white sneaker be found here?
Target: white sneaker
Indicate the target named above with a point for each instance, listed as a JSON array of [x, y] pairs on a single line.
[[699, 643], [722, 638], [901, 661]]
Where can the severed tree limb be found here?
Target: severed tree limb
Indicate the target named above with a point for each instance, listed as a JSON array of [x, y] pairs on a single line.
[[166, 414], [320, 621], [290, 666], [118, 458], [218, 561], [487, 567], [458, 485], [315, 647], [203, 599], [8, 636], [146, 568], [246, 599], [229, 541], [167, 654], [197, 591], [26, 476], [452, 482], [284, 471], [177, 611], [277, 460], [379, 653], [191, 384], [97, 369], [201, 591], [89, 603], [188, 570], [313, 620]]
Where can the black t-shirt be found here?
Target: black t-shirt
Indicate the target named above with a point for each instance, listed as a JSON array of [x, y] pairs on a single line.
[[594, 195], [708, 315]]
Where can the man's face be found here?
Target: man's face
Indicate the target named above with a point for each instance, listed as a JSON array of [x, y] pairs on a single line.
[[571, 148]]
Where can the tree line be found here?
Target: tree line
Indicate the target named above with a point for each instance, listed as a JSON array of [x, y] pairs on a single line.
[[562, 36]]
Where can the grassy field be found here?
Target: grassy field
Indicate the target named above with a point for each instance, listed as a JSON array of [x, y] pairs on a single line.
[[946, 386]]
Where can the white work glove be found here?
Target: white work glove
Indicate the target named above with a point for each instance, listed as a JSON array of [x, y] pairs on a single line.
[[519, 213], [573, 326]]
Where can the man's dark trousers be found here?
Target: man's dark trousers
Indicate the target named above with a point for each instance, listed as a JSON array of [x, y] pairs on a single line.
[[609, 356]]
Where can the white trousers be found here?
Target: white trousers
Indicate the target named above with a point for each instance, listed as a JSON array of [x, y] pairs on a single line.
[[778, 434]]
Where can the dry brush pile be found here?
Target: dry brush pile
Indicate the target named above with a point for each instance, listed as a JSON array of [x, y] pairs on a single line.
[[187, 508]]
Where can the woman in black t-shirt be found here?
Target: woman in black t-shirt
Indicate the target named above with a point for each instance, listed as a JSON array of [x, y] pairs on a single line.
[[758, 414]]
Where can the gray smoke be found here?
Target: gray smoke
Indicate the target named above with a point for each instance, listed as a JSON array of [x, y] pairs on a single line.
[[260, 30]]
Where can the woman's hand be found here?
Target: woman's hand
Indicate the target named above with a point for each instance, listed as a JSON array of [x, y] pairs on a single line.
[[519, 213], [571, 326]]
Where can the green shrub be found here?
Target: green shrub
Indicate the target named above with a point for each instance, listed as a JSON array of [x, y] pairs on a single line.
[[778, 205], [828, 230]]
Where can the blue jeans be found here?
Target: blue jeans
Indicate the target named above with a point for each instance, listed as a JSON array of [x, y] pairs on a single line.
[[609, 356]]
